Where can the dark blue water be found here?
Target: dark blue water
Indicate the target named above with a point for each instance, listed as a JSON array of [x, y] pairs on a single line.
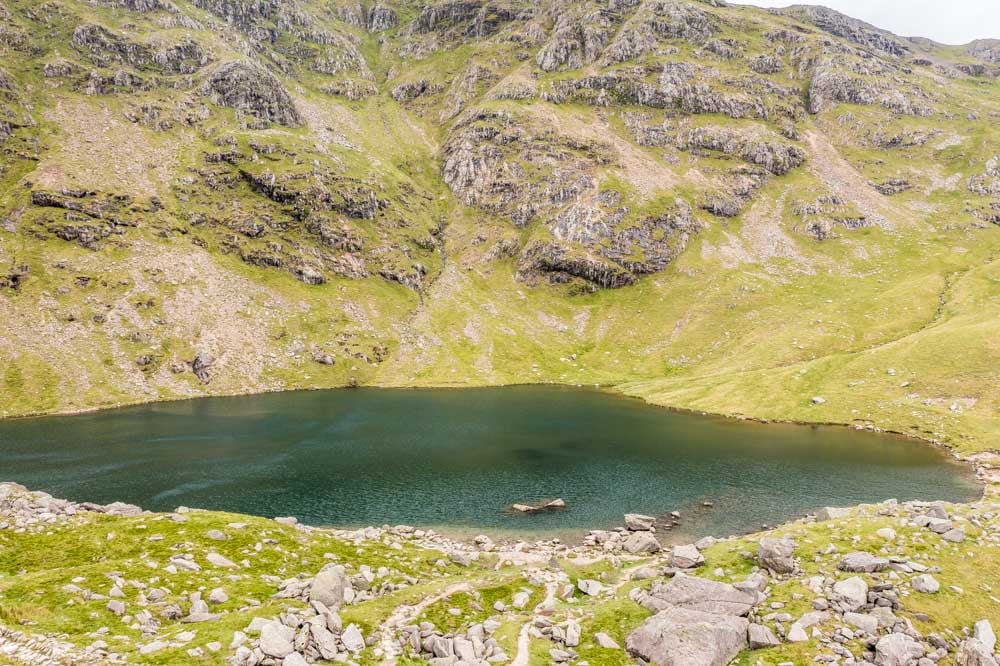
[[458, 458]]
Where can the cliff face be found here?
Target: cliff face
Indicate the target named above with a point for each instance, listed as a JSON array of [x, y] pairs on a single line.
[[316, 193]]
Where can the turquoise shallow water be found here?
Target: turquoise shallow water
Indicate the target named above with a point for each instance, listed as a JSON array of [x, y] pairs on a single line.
[[457, 458]]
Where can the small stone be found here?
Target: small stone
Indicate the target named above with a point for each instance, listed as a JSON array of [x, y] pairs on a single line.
[[218, 560], [605, 641]]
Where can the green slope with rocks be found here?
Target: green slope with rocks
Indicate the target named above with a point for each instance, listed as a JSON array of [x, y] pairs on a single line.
[[907, 584], [717, 208]]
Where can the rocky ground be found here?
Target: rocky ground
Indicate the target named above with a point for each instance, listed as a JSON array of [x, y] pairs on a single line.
[[896, 583]]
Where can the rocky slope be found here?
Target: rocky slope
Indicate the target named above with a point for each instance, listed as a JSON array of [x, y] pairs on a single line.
[[720, 208], [903, 584]]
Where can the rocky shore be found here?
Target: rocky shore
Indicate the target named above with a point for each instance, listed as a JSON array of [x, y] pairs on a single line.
[[884, 584]]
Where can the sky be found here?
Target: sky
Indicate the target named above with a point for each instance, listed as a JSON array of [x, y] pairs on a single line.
[[945, 21]]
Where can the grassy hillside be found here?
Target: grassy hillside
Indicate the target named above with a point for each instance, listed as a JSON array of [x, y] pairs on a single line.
[[715, 208]]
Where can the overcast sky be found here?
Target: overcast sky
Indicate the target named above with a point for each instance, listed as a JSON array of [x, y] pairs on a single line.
[[945, 21]]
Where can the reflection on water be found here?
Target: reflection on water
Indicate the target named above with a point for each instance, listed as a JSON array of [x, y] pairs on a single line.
[[459, 457]]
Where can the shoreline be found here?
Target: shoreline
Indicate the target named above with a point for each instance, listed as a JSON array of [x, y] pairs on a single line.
[[612, 388]]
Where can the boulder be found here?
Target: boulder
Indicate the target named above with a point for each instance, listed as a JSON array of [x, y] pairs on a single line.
[[850, 595], [860, 562], [761, 636], [276, 640], [638, 522], [866, 623], [832, 513], [328, 587], [352, 639], [955, 535], [683, 637], [777, 554], [685, 557], [939, 525], [897, 650], [699, 594], [605, 641], [972, 652], [925, 583], [983, 631], [642, 542], [589, 587]]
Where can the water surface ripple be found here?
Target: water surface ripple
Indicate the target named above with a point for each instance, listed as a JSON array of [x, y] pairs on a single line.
[[457, 458]]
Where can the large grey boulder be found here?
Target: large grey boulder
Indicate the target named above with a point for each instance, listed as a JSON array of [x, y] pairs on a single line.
[[832, 513], [641, 542], [897, 650], [699, 594], [972, 652], [860, 562], [685, 557], [328, 587], [683, 637], [777, 554], [983, 631], [761, 636], [925, 583], [276, 640], [849, 595], [638, 522]]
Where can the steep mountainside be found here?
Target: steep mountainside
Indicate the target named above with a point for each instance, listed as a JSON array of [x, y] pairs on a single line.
[[782, 214]]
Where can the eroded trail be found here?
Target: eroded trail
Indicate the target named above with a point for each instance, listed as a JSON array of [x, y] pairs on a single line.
[[405, 614]]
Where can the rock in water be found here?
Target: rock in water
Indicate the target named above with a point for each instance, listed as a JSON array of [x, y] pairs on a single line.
[[246, 86], [693, 638], [777, 554], [637, 522]]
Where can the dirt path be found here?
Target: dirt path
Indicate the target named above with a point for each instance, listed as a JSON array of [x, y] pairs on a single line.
[[523, 656], [405, 614], [21, 648]]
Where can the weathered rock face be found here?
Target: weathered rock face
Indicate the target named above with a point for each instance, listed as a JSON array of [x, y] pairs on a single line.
[[681, 637], [777, 554], [699, 594], [765, 151], [248, 87], [496, 163], [851, 29]]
